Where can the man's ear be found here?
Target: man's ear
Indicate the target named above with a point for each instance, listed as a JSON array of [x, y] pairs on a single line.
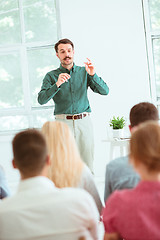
[[13, 164], [130, 128], [48, 160], [133, 129], [57, 54]]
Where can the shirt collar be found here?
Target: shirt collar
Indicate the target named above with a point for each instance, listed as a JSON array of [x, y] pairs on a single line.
[[35, 182], [73, 69]]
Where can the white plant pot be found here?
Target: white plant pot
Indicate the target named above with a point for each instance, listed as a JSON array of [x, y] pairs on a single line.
[[118, 133]]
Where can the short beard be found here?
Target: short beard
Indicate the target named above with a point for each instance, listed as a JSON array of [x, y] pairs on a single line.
[[64, 64]]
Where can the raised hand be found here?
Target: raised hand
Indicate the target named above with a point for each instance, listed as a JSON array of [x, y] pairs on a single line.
[[89, 67], [63, 77]]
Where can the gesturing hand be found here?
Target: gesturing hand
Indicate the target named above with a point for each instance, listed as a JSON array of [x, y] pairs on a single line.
[[89, 67], [63, 77]]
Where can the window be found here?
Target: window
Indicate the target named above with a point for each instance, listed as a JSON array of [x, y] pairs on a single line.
[[152, 26], [29, 29]]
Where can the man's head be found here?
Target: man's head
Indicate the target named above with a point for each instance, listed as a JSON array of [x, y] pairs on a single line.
[[142, 112], [65, 52], [29, 153]]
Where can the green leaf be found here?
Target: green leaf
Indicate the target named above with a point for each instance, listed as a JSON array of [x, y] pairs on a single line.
[[117, 123]]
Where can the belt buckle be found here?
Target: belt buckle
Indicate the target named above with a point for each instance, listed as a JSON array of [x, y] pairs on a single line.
[[73, 117]]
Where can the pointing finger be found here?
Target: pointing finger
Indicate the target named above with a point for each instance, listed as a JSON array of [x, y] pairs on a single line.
[[88, 59]]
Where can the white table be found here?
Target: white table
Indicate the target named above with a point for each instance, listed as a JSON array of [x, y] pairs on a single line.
[[122, 144]]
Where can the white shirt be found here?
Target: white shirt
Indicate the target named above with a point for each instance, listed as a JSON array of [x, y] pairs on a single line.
[[39, 211]]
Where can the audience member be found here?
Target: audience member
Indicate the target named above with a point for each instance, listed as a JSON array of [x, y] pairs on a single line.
[[4, 189], [67, 169], [39, 210], [119, 172], [134, 213]]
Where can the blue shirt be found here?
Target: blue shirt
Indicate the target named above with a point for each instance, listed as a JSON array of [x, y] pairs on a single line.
[[4, 190], [71, 97], [119, 175]]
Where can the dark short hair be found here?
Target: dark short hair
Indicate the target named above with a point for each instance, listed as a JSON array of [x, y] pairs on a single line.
[[63, 41], [29, 152], [142, 112]]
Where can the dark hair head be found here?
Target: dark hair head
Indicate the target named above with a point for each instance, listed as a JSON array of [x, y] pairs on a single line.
[[63, 41], [142, 112], [29, 152], [144, 145]]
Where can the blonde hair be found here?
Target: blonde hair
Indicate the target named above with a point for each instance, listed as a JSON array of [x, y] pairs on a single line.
[[145, 145], [66, 164]]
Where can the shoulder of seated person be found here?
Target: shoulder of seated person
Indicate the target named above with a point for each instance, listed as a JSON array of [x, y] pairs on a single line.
[[120, 161], [75, 193]]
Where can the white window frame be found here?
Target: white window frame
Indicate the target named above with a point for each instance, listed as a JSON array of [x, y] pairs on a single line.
[[22, 48], [150, 36]]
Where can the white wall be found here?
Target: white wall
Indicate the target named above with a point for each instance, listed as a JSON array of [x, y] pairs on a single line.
[[111, 34]]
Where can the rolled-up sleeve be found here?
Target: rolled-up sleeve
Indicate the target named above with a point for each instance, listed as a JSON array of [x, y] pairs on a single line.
[[48, 89], [97, 84]]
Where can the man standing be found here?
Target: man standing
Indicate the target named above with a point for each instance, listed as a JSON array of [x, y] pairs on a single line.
[[119, 172], [39, 210], [67, 86]]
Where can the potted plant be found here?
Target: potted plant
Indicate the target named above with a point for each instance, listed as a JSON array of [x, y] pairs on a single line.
[[117, 125]]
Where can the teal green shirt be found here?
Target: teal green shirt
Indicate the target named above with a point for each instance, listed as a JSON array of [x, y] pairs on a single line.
[[71, 97]]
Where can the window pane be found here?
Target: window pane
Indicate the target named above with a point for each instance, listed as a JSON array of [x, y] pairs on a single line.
[[10, 28], [39, 117], [11, 93], [154, 6], [40, 21], [7, 5], [39, 25], [9, 22], [13, 123], [40, 62], [156, 49]]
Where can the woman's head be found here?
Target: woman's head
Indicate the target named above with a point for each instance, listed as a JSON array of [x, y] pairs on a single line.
[[66, 164], [145, 146]]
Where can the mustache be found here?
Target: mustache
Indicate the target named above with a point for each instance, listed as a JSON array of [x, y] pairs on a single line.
[[67, 58]]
